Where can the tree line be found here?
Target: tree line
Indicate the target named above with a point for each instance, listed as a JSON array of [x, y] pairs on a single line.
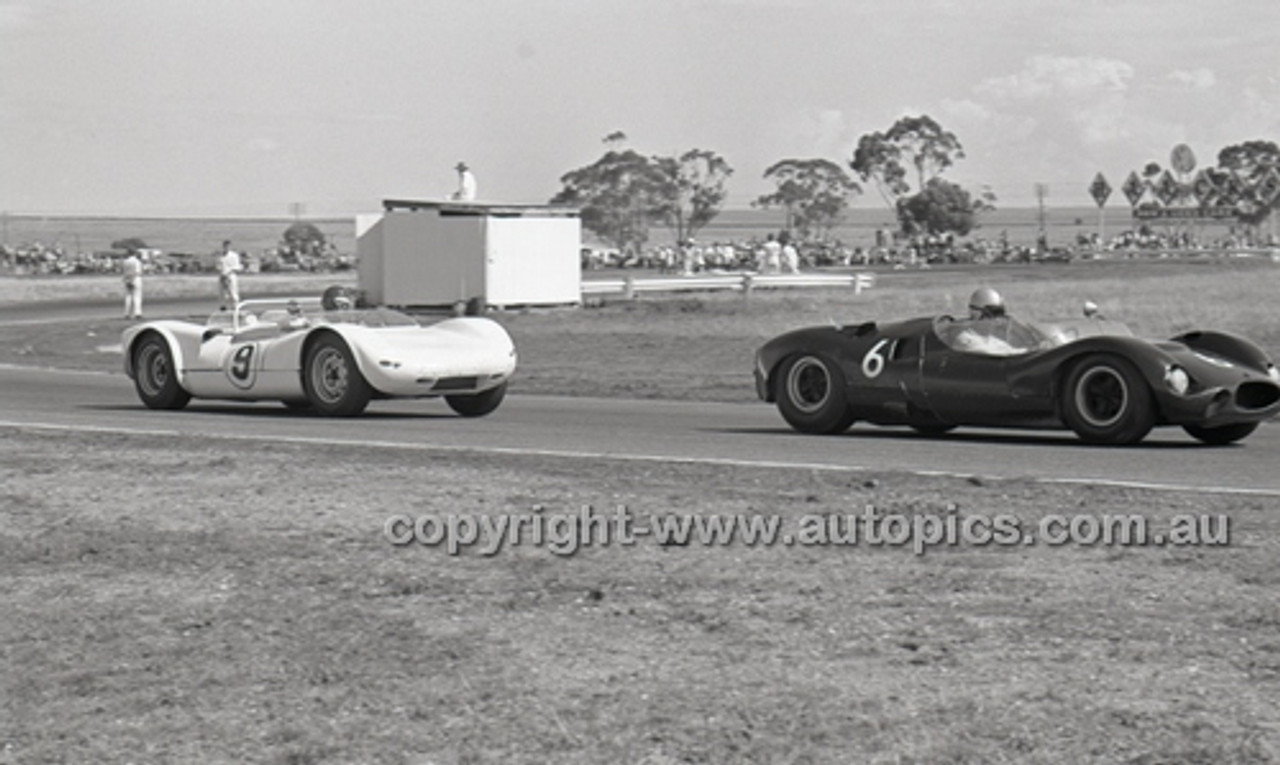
[[624, 194]]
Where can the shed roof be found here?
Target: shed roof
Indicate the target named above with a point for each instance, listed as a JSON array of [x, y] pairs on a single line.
[[454, 207]]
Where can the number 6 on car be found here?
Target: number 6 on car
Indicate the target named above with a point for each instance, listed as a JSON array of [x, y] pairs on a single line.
[[873, 362]]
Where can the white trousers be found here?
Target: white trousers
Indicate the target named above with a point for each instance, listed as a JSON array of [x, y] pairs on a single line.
[[133, 299], [230, 290]]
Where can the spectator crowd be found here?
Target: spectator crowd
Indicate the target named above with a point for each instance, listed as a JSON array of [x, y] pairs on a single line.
[[38, 259], [691, 257], [774, 254]]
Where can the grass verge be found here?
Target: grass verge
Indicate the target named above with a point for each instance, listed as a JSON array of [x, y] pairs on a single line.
[[173, 599], [43, 289], [700, 346]]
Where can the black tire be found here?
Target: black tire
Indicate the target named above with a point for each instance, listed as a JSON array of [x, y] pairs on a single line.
[[1223, 434], [477, 404], [811, 395], [331, 379], [1105, 400], [154, 375]]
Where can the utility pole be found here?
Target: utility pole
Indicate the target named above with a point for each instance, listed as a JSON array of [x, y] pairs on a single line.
[[1100, 190], [1042, 242]]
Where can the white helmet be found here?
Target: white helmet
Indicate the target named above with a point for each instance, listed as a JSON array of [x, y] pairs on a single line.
[[986, 303]]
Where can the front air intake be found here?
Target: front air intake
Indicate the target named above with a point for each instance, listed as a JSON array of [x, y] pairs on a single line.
[[1257, 395], [455, 383]]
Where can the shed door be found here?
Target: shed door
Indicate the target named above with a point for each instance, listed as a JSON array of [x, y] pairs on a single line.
[[532, 260]]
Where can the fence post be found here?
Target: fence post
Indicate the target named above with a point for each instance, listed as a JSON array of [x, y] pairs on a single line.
[[748, 284], [629, 287]]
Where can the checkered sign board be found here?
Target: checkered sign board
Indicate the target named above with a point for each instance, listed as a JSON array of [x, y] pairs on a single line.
[[1100, 189], [1133, 188]]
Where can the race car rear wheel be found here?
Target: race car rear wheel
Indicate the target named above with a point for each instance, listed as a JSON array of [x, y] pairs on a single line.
[[811, 395], [477, 404], [332, 381], [1106, 401], [1223, 434], [154, 375]]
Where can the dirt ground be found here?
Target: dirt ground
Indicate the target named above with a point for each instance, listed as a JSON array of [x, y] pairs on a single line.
[[185, 600]]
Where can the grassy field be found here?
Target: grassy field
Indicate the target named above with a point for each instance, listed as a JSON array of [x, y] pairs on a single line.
[[700, 346], [61, 289], [247, 608]]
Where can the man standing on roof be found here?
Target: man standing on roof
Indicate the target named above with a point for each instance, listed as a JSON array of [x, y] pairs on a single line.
[[229, 266], [466, 183]]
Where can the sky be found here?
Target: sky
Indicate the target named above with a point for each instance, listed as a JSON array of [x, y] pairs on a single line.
[[327, 107]]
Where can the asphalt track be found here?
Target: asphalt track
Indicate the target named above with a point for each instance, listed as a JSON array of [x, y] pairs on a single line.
[[659, 431]]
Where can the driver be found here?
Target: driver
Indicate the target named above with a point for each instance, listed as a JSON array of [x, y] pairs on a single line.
[[293, 318], [336, 298], [988, 330], [985, 303]]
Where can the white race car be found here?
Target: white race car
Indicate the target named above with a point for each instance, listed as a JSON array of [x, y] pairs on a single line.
[[320, 353]]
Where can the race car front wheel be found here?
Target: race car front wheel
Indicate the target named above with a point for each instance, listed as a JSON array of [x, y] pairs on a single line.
[[1223, 434], [477, 404], [1106, 401], [154, 375], [811, 395], [332, 381]]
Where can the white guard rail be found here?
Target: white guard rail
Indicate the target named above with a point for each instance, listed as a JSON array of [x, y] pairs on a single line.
[[630, 286]]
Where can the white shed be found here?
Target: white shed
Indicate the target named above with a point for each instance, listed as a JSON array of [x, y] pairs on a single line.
[[435, 253]]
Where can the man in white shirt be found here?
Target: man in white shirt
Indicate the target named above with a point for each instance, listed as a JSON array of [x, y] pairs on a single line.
[[772, 255], [466, 183], [790, 258], [132, 268], [229, 266]]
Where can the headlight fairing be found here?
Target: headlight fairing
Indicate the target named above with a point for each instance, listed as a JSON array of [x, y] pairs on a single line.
[[1177, 379]]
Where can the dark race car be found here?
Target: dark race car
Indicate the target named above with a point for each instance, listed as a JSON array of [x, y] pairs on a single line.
[[1090, 375]]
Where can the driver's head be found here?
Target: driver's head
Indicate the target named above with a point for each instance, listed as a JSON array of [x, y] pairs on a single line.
[[335, 298], [985, 303]]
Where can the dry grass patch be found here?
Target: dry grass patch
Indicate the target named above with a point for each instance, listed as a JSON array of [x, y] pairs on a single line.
[[45, 289], [701, 346], [175, 599]]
